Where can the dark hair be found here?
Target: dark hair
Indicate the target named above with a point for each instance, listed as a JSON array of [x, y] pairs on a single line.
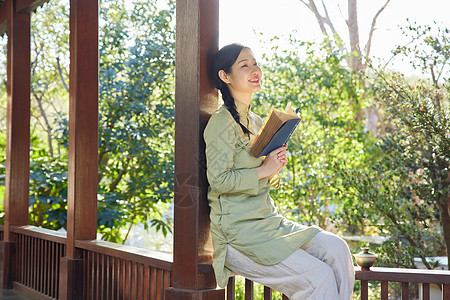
[[223, 60]]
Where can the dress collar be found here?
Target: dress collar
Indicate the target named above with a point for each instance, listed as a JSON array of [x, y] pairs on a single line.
[[242, 109]]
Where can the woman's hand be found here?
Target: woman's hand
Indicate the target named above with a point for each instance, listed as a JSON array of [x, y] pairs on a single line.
[[273, 163]]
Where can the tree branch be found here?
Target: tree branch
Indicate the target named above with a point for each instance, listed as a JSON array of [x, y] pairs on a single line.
[[336, 35], [410, 239], [101, 161], [38, 51], [328, 21], [313, 8], [306, 4], [372, 28], [393, 56], [47, 127], [34, 62], [113, 185], [60, 74], [128, 232]]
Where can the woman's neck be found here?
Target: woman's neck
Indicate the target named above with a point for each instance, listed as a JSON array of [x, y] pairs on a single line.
[[246, 99]]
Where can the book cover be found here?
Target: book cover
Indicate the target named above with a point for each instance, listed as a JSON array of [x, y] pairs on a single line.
[[275, 132]]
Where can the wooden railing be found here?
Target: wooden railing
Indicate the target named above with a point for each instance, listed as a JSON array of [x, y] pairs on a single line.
[[249, 290], [383, 275], [110, 271], [405, 277], [38, 252], [113, 271]]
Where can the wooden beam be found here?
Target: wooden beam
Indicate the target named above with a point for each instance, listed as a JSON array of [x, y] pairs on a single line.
[[17, 135], [83, 142], [83, 124], [404, 275], [26, 6], [446, 291], [195, 100], [4, 13], [17, 120], [248, 289], [7, 264]]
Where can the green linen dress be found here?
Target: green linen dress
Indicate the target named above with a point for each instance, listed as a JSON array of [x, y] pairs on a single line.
[[242, 213]]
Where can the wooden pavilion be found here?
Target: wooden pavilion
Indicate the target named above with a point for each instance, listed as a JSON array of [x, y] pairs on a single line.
[[50, 265]]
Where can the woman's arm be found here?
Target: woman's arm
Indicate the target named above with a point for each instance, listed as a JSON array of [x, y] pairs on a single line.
[[220, 138]]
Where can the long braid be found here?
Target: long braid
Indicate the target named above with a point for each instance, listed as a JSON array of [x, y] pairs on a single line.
[[231, 106], [223, 60]]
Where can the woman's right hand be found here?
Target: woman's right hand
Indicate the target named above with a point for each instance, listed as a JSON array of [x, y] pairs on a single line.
[[273, 163]]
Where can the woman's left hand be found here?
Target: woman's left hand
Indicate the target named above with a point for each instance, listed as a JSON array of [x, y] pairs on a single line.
[[273, 163], [282, 158]]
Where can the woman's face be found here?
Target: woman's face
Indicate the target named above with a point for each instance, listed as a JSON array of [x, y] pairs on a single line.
[[245, 76]]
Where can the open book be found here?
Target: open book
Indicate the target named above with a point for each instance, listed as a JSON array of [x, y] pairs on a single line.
[[275, 132]]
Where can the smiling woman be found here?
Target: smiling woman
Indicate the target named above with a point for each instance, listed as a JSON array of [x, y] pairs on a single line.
[[249, 237], [244, 78]]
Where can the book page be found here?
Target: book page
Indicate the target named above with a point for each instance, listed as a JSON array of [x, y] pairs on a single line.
[[289, 110]]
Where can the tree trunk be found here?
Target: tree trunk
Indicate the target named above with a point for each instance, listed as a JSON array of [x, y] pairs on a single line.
[[47, 127], [354, 55], [353, 30]]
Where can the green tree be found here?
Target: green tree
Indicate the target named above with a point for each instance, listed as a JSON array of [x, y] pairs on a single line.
[[356, 56], [49, 59], [405, 193], [136, 116], [328, 96]]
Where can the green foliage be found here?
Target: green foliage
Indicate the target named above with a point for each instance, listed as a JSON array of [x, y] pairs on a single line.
[[404, 193], [49, 73], [397, 187], [136, 116], [428, 51], [48, 190], [329, 98]]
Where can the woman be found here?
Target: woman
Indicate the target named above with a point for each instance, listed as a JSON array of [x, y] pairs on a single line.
[[249, 237]]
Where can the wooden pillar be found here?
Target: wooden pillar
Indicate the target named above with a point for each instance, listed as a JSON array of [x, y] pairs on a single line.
[[17, 134], [195, 99], [83, 142]]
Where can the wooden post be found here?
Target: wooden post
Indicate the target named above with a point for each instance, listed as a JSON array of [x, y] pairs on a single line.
[[364, 289], [445, 291], [17, 134], [83, 142], [196, 98]]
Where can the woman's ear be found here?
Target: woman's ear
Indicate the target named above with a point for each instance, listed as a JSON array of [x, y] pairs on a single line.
[[223, 76]]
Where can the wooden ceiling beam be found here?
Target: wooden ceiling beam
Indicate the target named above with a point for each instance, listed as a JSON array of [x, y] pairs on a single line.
[[21, 6], [28, 5], [4, 8]]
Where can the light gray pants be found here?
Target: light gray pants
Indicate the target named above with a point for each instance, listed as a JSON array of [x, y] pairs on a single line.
[[322, 269]]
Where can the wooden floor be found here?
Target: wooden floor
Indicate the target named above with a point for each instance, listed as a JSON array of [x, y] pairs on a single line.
[[12, 295]]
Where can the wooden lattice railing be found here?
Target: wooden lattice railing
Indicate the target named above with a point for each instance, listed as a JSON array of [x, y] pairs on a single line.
[[113, 271], [110, 271], [37, 255], [249, 289], [405, 277], [383, 275]]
